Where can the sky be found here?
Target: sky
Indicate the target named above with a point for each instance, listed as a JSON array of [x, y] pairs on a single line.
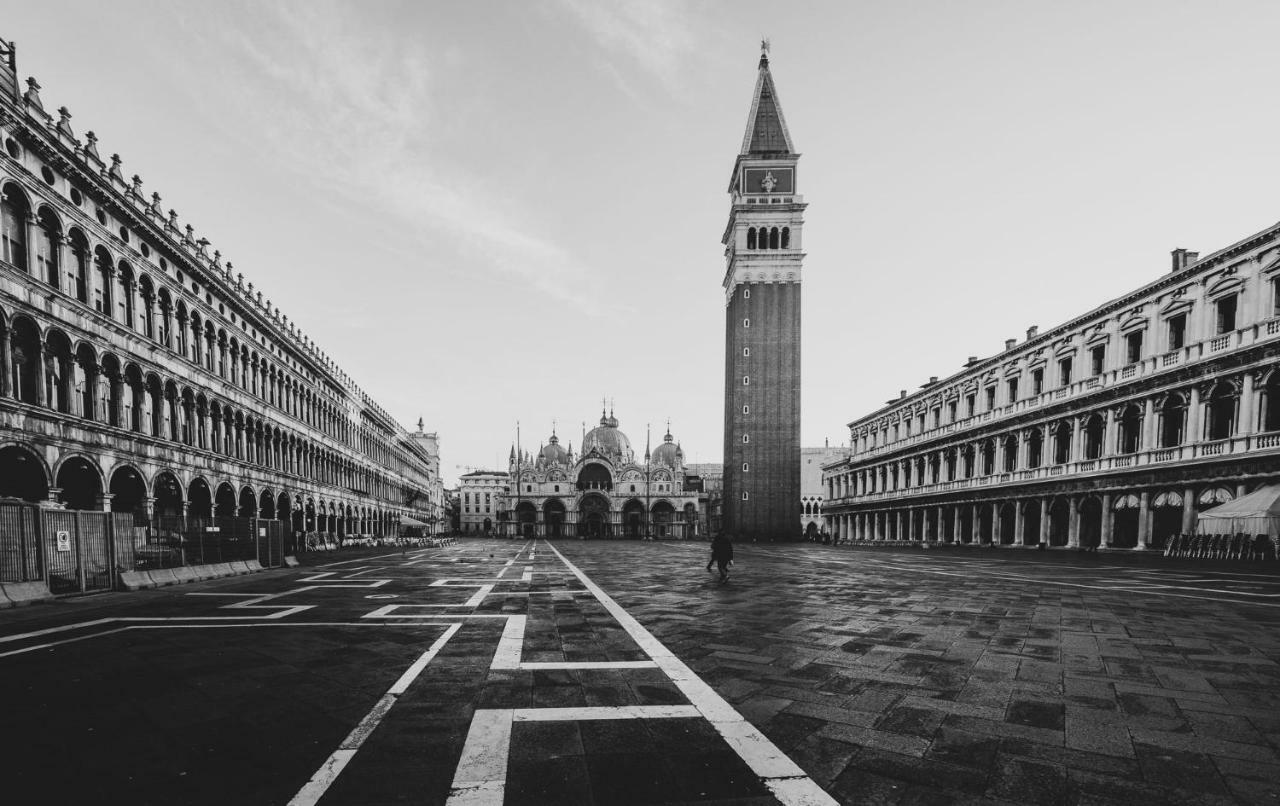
[[498, 212]]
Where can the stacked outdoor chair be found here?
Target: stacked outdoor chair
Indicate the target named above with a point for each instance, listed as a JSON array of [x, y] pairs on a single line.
[[1239, 546]]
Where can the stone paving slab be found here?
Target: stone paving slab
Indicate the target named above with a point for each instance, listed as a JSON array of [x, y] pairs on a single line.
[[888, 677]]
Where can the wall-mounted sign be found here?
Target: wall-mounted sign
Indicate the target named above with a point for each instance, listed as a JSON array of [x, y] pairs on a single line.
[[64, 541]]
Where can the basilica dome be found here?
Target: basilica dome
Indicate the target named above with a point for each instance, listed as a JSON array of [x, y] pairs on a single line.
[[553, 454], [668, 453], [608, 440]]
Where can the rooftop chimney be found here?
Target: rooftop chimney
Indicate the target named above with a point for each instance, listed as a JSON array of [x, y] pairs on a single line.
[[973, 359], [1183, 258], [902, 394], [933, 379], [1032, 332], [1008, 343]]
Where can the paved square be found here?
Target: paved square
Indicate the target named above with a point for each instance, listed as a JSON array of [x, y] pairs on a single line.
[[621, 672]]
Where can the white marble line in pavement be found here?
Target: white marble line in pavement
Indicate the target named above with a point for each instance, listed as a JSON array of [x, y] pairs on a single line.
[[480, 778], [784, 778], [329, 771]]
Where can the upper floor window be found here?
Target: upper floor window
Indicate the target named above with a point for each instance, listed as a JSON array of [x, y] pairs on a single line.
[[1226, 310], [1097, 359], [1037, 381], [1275, 296], [1177, 331], [970, 404], [1013, 390], [1064, 371], [951, 411], [991, 398], [1133, 347]]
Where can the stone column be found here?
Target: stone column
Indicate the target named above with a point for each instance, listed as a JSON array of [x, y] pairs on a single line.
[[975, 525], [1193, 418], [1019, 522], [995, 523], [104, 501], [1073, 524], [1148, 425], [6, 364], [1109, 434], [1043, 537], [1248, 420], [29, 228], [1144, 520], [38, 358], [940, 536], [1104, 537]]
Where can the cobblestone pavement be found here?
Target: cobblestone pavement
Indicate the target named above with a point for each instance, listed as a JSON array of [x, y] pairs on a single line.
[[622, 672]]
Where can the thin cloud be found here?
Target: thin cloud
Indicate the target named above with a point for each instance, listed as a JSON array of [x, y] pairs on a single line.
[[656, 36], [324, 91]]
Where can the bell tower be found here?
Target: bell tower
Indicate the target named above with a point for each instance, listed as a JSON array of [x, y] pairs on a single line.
[[762, 327]]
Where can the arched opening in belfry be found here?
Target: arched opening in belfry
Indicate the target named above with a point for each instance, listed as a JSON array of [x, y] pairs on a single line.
[[751, 238], [786, 238], [773, 238]]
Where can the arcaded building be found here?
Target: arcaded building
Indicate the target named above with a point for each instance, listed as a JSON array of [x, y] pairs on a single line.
[[142, 373], [762, 327], [604, 490], [1114, 429]]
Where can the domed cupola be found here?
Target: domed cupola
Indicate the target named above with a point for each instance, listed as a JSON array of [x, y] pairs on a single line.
[[668, 453], [552, 454], [607, 440]]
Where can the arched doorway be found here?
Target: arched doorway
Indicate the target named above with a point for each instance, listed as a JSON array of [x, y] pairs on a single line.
[[1166, 517], [267, 506], [309, 516], [553, 517], [488, 525], [1030, 523], [22, 475], [527, 518], [1124, 524], [127, 491], [248, 503], [811, 531], [168, 494], [1008, 521], [633, 519], [225, 501], [1090, 522], [690, 521], [80, 484], [985, 524], [199, 499], [284, 511], [593, 516], [664, 517], [1059, 522]]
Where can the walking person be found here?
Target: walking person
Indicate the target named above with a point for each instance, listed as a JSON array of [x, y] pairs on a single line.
[[721, 555]]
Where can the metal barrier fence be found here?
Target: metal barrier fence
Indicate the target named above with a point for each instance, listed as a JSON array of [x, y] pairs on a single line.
[[77, 551]]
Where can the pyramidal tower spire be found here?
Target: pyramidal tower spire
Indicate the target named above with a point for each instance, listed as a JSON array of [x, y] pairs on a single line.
[[762, 280]]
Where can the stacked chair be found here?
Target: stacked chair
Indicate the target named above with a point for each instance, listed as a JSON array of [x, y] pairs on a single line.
[[1239, 546]]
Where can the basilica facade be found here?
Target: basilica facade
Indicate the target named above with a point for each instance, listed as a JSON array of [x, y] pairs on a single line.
[[603, 491]]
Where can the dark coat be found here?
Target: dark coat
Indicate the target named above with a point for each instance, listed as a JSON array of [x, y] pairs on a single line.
[[721, 548]]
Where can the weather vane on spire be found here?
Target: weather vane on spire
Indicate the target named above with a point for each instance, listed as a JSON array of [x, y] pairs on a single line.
[[764, 45]]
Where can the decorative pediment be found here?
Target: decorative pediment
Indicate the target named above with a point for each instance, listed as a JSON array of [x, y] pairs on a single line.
[[1064, 350], [1175, 307], [1098, 338], [1134, 322], [1224, 286]]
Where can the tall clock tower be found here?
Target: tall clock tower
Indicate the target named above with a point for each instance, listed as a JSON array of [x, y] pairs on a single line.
[[762, 327]]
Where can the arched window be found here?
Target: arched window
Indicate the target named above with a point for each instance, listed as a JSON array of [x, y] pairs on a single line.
[[78, 270], [48, 237], [970, 457], [989, 458], [1010, 454], [751, 238], [1173, 414], [1035, 448], [124, 295], [1062, 443], [1222, 410], [951, 465], [1094, 428], [773, 238], [1130, 438], [105, 269], [786, 237], [13, 227], [25, 355], [148, 293]]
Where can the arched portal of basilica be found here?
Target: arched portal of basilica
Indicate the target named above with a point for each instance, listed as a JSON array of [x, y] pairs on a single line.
[[603, 491]]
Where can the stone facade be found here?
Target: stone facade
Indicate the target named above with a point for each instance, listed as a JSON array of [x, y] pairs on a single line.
[[604, 491], [762, 328], [141, 373], [481, 501], [813, 487], [1113, 430]]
